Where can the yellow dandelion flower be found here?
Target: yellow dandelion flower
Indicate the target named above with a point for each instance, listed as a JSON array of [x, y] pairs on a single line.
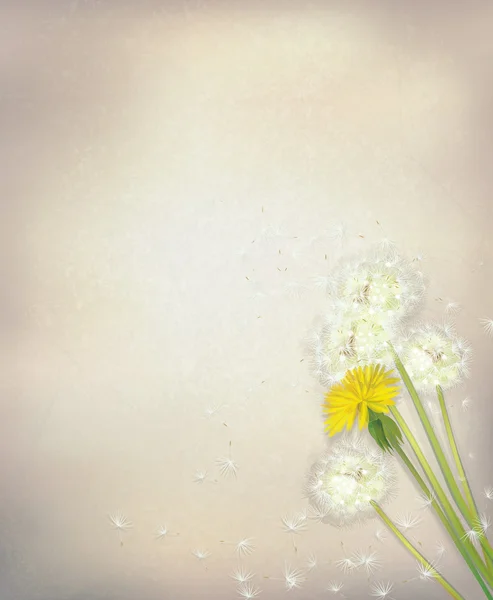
[[361, 389]]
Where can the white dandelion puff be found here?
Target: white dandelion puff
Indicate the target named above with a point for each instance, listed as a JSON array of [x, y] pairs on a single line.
[[293, 578], [473, 535], [488, 492], [241, 575], [465, 404], [320, 282], [201, 554], [381, 590], [345, 480], [335, 586], [248, 590], [407, 521], [487, 326], [433, 355]]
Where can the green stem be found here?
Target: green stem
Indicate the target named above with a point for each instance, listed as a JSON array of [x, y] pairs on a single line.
[[460, 467], [456, 539], [448, 587], [442, 497], [442, 461]]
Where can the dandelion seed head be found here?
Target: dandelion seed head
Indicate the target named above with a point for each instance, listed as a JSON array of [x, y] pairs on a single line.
[[433, 355], [344, 481]]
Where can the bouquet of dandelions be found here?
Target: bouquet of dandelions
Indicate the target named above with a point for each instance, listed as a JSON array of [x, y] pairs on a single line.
[[366, 354]]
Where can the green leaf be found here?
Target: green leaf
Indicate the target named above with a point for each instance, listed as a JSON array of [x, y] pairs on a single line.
[[391, 431], [376, 430]]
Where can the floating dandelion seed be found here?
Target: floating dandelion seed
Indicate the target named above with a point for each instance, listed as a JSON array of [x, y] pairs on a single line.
[[487, 326], [381, 535], [163, 532], [382, 590], [452, 308], [320, 282], [335, 587], [227, 466], [212, 410], [241, 575], [482, 524], [294, 523], [247, 590], [243, 548], [294, 289], [337, 233], [311, 562], [426, 499], [371, 562], [120, 523], [346, 565], [293, 578], [440, 549], [407, 521], [200, 477], [201, 554], [426, 571], [488, 492], [466, 403]]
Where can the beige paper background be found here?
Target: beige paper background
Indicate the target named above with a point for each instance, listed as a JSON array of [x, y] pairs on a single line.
[[172, 176]]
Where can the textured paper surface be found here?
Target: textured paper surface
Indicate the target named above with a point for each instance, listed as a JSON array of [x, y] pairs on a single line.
[[175, 181]]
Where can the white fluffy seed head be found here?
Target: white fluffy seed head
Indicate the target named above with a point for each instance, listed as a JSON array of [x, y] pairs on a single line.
[[433, 355], [344, 481], [344, 344], [381, 285], [369, 298]]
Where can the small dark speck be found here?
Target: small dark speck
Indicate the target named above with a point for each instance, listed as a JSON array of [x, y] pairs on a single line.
[[278, 269], [378, 222], [302, 360], [259, 317], [438, 299], [361, 236], [264, 380], [279, 251], [247, 278], [262, 209], [225, 424], [325, 256], [307, 391]]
